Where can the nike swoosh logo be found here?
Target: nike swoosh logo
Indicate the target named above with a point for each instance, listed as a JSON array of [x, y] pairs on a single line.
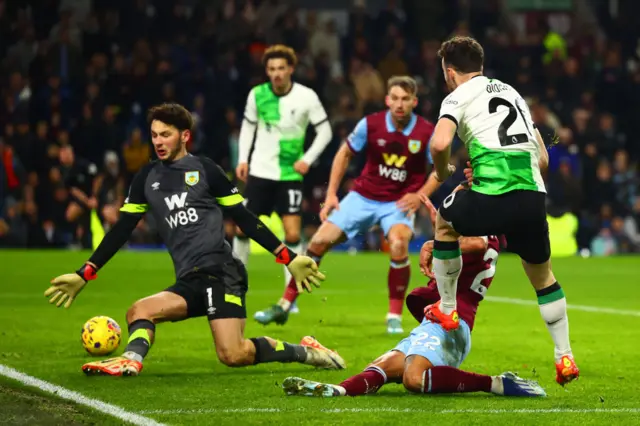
[[453, 273]]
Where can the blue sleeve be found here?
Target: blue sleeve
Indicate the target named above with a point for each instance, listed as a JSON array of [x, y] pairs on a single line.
[[357, 140], [429, 159]]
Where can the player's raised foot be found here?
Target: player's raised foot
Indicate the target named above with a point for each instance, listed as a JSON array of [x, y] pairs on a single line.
[[303, 387], [394, 326], [514, 385], [566, 370], [448, 322], [119, 366], [274, 313], [321, 357], [294, 309]]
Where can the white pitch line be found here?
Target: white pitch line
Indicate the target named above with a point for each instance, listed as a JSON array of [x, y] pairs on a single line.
[[110, 409], [585, 308], [399, 410]]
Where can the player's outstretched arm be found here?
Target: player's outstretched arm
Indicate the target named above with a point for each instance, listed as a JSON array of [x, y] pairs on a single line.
[[65, 288], [302, 268]]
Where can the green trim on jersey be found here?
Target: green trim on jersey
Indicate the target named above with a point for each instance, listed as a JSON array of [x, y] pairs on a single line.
[[267, 104], [498, 172], [291, 149]]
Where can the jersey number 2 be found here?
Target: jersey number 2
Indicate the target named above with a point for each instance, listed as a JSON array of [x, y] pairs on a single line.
[[477, 285], [511, 118]]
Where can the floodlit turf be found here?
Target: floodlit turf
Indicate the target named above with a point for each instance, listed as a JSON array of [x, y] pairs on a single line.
[[183, 383]]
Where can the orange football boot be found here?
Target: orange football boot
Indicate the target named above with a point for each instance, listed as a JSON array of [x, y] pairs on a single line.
[[566, 370], [448, 322], [119, 366], [320, 356]]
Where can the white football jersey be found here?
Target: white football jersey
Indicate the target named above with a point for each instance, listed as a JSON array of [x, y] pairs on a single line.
[[495, 125], [281, 129]]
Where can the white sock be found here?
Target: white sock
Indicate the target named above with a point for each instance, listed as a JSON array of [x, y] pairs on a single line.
[[553, 308], [242, 247], [497, 387], [447, 272]]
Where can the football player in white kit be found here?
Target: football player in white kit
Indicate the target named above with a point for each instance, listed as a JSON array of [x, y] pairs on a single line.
[[278, 113], [507, 195]]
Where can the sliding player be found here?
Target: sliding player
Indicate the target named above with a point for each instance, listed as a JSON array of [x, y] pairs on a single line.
[[428, 360], [186, 195]]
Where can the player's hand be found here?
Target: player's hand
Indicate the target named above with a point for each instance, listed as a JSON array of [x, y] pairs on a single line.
[[451, 169], [433, 213], [468, 173], [409, 203], [426, 259], [304, 269], [301, 167], [330, 203], [242, 171], [66, 287]]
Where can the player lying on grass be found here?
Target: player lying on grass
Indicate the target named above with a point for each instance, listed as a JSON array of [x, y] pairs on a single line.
[[185, 194], [428, 360], [386, 193]]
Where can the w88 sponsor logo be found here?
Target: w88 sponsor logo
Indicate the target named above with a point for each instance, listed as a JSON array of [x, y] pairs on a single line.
[[181, 217]]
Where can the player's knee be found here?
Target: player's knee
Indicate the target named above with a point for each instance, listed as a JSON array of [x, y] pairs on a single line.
[[318, 244], [413, 381], [138, 311], [398, 246], [232, 357]]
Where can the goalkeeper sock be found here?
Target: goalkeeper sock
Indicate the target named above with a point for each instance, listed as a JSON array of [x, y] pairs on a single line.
[[242, 247], [369, 381], [282, 352], [446, 379], [553, 308], [140, 339], [447, 264], [291, 292], [294, 246], [398, 282]]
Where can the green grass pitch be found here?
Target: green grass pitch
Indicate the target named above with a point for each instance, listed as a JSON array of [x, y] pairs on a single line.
[[183, 382]]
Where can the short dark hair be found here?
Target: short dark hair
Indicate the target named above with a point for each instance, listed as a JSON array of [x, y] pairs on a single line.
[[464, 54], [171, 114], [280, 51], [405, 82]]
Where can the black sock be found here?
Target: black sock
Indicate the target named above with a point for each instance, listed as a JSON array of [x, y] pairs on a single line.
[[283, 352], [139, 338]]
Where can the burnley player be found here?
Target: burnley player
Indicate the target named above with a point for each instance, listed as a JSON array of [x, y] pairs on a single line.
[[428, 360], [508, 194], [186, 195], [387, 193], [278, 114]]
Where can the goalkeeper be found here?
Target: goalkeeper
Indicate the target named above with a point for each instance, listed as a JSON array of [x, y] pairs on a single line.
[[185, 194]]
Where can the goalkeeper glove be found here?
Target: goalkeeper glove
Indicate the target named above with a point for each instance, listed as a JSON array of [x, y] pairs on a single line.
[[304, 270], [67, 286]]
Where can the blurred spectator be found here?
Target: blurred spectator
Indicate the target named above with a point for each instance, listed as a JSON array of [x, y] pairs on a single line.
[[136, 152], [78, 76]]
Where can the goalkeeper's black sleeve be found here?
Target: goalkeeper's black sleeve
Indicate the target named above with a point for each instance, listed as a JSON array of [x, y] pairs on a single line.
[[115, 238], [253, 227]]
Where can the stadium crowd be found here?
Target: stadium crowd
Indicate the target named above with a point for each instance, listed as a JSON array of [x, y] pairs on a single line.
[[78, 75]]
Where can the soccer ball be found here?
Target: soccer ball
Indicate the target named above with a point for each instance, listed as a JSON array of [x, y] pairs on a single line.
[[101, 335]]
